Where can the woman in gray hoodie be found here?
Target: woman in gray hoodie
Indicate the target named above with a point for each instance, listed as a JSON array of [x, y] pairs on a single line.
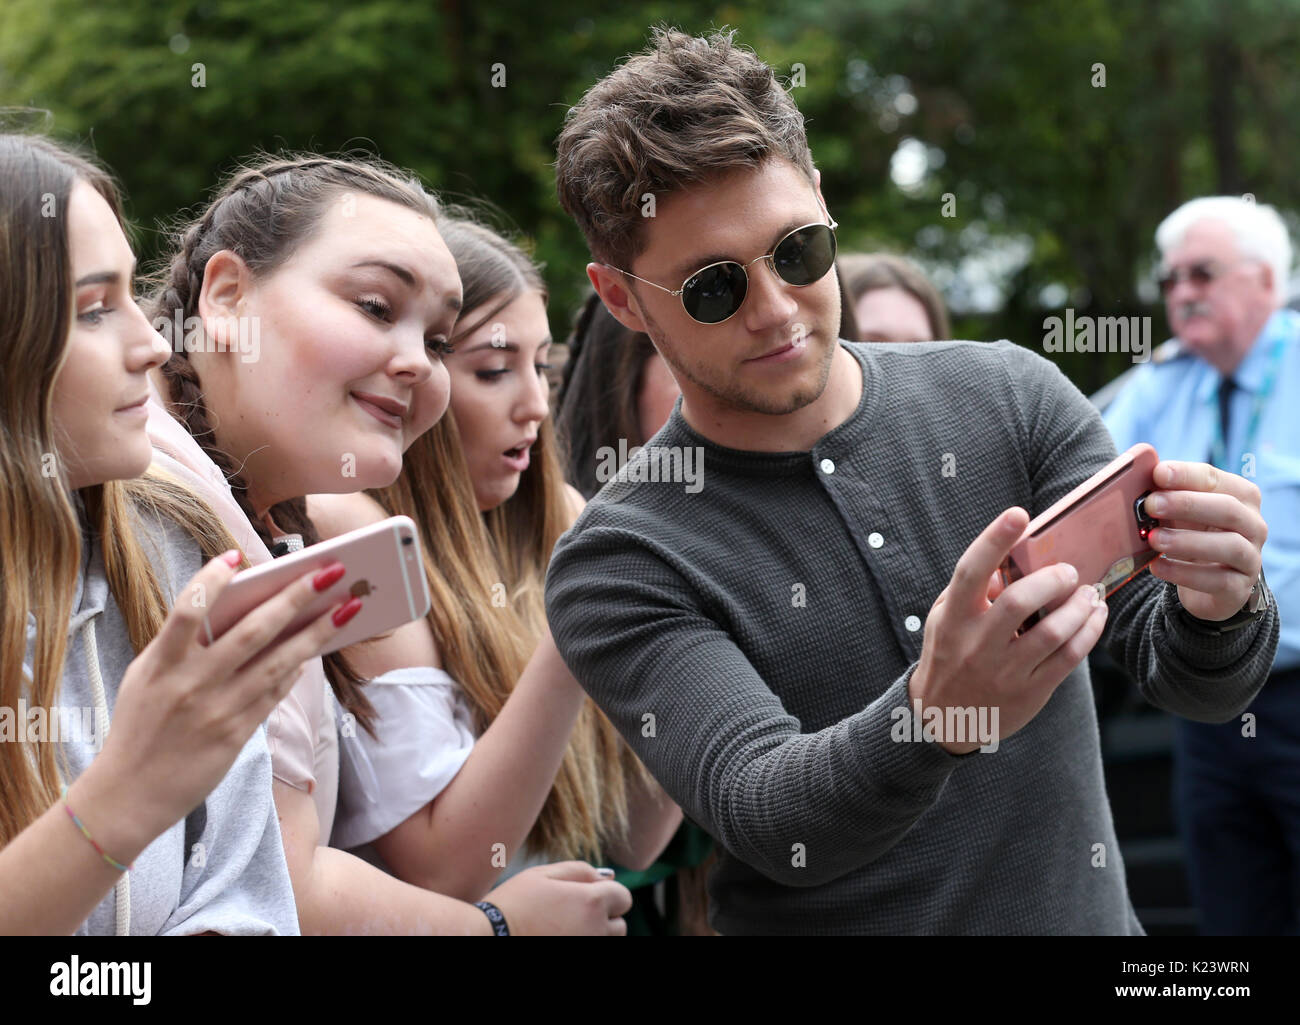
[[135, 786]]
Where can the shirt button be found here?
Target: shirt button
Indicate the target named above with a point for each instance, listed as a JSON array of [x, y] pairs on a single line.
[[875, 540], [912, 623], [828, 466]]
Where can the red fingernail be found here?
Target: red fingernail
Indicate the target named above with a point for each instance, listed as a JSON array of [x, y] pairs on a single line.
[[349, 610], [233, 558], [328, 577]]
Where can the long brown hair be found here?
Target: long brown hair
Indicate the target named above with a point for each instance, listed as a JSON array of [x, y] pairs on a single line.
[[40, 531], [863, 272], [597, 400], [262, 213], [487, 570]]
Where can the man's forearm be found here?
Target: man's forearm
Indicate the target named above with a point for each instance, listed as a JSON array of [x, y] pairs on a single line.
[[1186, 669], [808, 808]]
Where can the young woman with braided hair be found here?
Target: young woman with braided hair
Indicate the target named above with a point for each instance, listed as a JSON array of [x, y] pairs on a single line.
[[487, 754], [334, 271]]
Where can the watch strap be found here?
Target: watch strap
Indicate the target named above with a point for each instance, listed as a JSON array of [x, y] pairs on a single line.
[[1257, 603]]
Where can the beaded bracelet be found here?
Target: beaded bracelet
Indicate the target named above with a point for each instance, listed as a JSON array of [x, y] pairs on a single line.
[[63, 793]]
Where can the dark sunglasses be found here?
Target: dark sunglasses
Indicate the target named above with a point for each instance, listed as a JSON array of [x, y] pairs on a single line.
[[1199, 274], [715, 293]]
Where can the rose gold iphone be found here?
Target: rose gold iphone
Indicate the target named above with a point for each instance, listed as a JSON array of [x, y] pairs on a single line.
[[383, 569], [1100, 528]]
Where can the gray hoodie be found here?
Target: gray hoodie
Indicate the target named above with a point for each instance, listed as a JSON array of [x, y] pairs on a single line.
[[222, 867]]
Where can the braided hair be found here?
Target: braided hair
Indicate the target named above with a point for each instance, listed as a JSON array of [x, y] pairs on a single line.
[[263, 212]]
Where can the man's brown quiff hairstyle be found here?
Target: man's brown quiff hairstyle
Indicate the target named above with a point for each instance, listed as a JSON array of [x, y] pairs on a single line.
[[681, 112]]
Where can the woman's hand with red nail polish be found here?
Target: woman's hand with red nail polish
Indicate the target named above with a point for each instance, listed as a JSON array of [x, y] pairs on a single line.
[[329, 576], [346, 611]]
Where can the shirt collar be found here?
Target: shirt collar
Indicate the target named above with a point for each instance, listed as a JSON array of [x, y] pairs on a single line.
[[1249, 376]]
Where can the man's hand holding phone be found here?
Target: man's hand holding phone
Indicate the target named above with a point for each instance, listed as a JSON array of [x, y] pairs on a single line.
[[1210, 538], [971, 655]]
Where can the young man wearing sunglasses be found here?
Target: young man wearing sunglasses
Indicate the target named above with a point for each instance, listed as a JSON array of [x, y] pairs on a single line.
[[772, 645], [1232, 398]]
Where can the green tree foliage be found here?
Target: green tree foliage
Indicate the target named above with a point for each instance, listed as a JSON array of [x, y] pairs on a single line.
[[1002, 100]]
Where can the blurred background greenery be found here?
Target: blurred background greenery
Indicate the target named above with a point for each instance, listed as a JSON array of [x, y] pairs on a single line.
[[1056, 181]]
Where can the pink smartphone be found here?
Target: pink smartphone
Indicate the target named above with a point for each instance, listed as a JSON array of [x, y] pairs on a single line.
[[383, 568], [1100, 528]]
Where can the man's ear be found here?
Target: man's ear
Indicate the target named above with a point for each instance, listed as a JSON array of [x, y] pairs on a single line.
[[612, 288], [817, 186], [226, 284], [1267, 282]]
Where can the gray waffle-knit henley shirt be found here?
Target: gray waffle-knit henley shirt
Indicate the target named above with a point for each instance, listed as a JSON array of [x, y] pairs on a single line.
[[751, 637]]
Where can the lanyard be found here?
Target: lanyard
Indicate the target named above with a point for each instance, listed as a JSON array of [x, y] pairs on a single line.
[[1218, 453]]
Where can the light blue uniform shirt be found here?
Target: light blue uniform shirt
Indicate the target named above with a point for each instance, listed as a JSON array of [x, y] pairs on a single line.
[[1174, 406]]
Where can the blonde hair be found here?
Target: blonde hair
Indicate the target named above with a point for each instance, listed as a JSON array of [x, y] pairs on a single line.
[[470, 556], [41, 535]]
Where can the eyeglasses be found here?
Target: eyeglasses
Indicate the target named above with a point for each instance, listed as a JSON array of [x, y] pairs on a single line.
[[715, 293], [1199, 274]]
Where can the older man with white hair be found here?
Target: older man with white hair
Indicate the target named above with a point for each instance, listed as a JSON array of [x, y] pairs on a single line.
[[1232, 398]]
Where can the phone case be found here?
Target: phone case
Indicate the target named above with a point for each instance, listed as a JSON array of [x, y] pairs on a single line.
[[383, 568], [1100, 528]]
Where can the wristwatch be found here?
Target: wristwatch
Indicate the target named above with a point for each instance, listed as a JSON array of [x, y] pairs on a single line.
[[1258, 602]]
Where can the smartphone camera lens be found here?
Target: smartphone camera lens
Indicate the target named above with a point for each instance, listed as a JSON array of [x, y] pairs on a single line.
[[406, 540], [1145, 523]]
